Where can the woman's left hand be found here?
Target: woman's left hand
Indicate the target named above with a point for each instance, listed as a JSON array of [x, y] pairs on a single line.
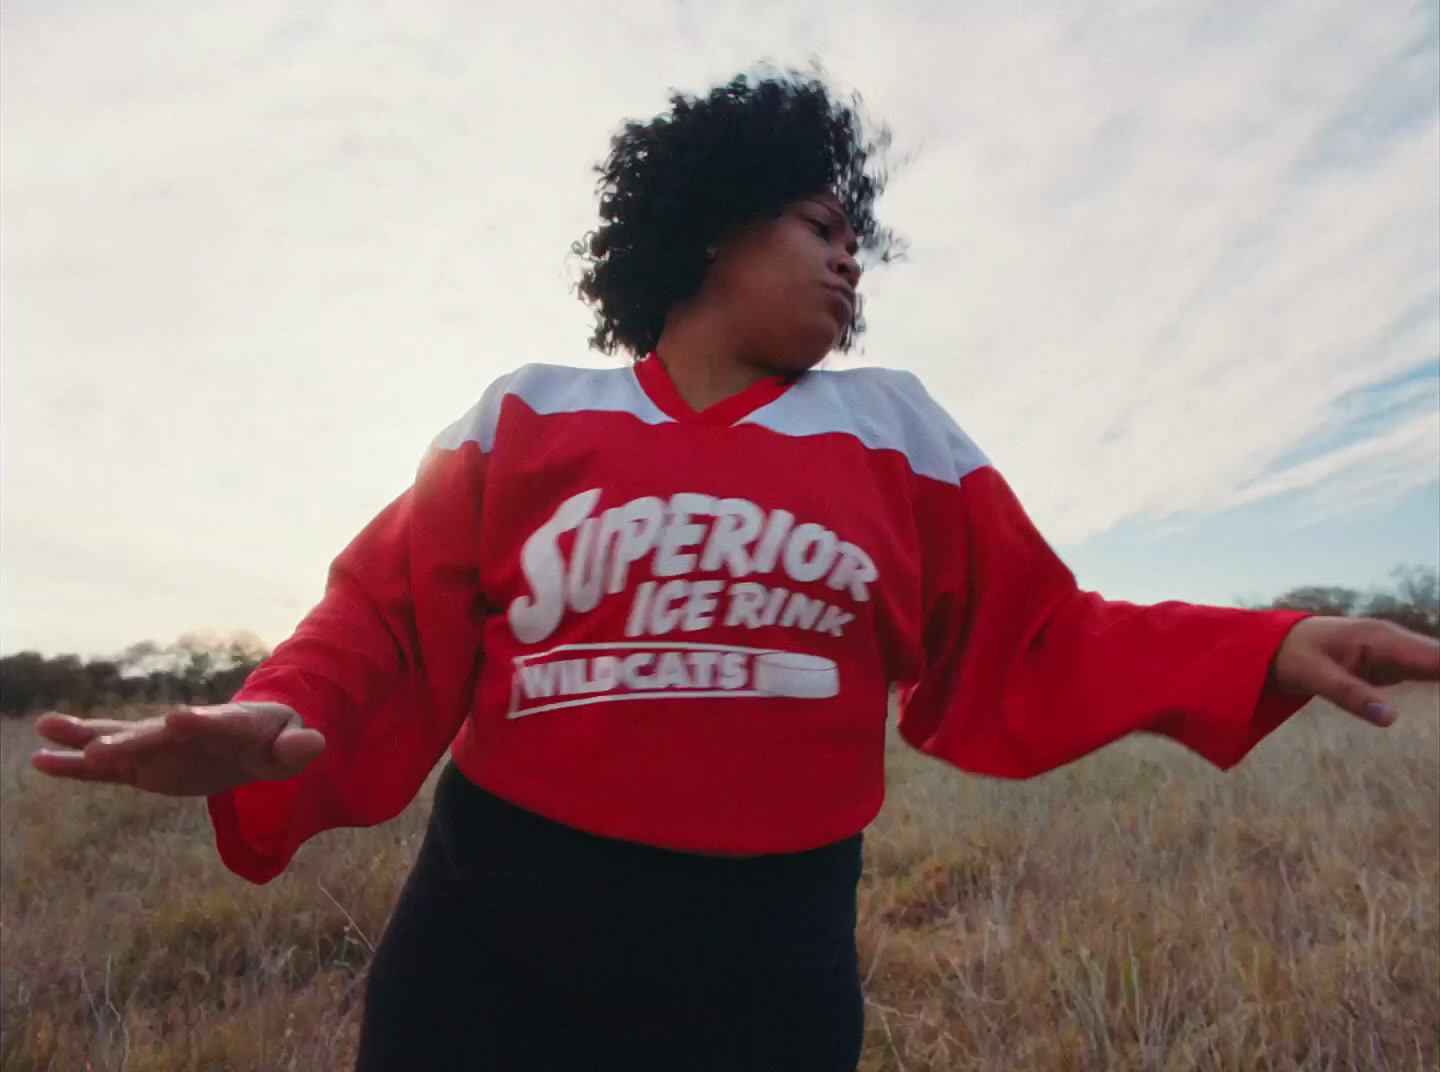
[[1344, 660]]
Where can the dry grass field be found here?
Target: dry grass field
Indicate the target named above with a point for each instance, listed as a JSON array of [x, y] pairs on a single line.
[[1137, 910]]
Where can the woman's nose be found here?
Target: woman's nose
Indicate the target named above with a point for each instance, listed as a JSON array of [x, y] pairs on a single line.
[[847, 267]]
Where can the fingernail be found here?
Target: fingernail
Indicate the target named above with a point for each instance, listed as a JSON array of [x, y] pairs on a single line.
[[105, 742], [1384, 714]]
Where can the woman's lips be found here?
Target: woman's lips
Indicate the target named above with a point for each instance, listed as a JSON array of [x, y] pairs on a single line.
[[842, 297]]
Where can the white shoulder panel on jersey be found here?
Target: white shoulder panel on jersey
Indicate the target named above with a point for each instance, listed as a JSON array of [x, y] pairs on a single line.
[[886, 409], [551, 389]]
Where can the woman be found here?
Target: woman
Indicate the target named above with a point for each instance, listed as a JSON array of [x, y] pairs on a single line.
[[656, 612]]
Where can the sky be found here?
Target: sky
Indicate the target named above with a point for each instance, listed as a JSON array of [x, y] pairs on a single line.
[[1174, 266]]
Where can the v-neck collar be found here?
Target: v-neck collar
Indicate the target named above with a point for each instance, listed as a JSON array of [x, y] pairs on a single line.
[[656, 383]]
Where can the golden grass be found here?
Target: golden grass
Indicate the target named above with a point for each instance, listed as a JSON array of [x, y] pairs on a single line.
[[1137, 910]]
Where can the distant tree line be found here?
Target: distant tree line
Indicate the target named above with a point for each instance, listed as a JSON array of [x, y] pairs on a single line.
[[205, 668], [198, 668], [1412, 600]]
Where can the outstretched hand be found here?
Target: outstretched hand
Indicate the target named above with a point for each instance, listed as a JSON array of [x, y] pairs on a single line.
[[1346, 660], [194, 751]]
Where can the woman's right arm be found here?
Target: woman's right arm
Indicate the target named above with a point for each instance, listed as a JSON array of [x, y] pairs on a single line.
[[341, 725]]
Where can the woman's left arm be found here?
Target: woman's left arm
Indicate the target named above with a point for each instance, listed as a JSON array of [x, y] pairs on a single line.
[[1025, 672]]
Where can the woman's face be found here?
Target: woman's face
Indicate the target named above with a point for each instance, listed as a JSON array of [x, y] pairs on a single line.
[[788, 283]]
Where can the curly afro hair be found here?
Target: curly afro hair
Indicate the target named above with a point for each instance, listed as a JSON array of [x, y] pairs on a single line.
[[674, 185]]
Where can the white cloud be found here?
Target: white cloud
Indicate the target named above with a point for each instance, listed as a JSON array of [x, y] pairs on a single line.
[[257, 253], [1358, 476]]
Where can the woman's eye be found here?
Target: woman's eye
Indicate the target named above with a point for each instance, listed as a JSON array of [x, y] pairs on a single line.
[[821, 228]]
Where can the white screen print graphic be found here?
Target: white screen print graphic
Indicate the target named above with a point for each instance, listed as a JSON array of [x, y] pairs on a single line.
[[723, 562], [571, 675]]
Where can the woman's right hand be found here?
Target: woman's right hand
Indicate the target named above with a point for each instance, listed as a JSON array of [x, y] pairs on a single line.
[[194, 751]]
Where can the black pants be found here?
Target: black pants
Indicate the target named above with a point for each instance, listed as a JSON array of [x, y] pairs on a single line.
[[522, 945]]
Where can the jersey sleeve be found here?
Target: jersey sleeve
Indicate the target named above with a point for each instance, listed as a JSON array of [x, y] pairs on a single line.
[[1024, 672], [384, 667]]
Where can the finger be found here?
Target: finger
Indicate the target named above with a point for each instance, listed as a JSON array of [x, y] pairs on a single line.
[[240, 723], [129, 744], [1389, 654], [191, 722], [295, 748], [136, 738], [1342, 688], [77, 732], [77, 767], [248, 734], [1417, 657]]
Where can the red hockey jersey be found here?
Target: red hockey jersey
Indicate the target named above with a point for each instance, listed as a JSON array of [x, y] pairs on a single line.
[[681, 628]]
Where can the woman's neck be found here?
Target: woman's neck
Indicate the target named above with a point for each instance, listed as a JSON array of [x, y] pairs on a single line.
[[704, 369]]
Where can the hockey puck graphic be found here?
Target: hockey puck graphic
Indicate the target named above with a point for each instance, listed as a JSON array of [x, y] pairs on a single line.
[[805, 677]]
